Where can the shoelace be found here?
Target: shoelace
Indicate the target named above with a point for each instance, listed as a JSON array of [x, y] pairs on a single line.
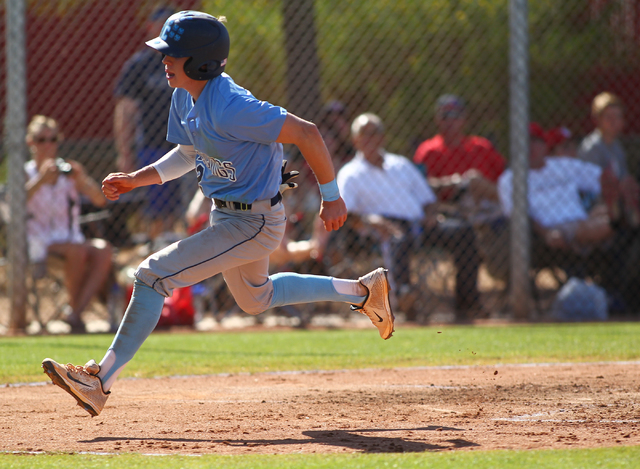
[[78, 369]]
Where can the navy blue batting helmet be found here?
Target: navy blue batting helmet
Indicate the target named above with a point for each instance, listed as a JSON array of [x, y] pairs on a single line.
[[201, 37]]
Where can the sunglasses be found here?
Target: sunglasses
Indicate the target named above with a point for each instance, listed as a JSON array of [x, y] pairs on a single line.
[[45, 139]]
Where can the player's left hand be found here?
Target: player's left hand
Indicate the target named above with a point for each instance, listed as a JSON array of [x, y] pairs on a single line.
[[333, 214], [285, 183]]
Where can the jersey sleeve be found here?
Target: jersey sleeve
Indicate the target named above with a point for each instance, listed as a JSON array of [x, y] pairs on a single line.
[[176, 130], [248, 119], [421, 153]]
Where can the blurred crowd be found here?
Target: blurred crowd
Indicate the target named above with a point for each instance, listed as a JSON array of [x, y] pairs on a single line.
[[454, 195], [451, 198]]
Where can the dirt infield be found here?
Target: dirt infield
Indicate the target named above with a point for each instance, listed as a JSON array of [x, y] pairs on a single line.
[[395, 410]]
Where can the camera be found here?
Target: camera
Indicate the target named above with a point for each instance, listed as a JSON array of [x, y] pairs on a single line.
[[63, 166]]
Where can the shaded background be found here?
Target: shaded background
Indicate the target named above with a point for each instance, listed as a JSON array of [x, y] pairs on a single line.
[[393, 58]]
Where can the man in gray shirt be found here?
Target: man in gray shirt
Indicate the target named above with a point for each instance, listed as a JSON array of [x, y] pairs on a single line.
[[620, 191]]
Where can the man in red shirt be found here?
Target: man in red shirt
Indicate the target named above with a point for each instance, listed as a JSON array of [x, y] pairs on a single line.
[[454, 161], [463, 171]]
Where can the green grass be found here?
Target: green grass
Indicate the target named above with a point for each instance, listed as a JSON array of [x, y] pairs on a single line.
[[234, 352], [602, 458]]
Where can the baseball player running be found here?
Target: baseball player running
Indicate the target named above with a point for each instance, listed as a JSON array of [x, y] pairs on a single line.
[[234, 141]]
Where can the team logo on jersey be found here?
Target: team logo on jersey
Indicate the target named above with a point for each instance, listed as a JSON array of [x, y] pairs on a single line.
[[221, 169]]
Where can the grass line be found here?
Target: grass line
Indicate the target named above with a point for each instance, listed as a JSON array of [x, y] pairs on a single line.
[[167, 354], [602, 458]]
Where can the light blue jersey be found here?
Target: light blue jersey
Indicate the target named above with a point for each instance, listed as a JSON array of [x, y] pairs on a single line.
[[234, 136]]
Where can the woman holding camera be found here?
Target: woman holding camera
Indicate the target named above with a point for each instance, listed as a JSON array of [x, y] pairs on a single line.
[[54, 188]]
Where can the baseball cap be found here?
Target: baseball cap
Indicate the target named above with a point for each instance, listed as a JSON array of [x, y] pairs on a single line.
[[450, 105], [334, 106], [557, 136], [536, 131]]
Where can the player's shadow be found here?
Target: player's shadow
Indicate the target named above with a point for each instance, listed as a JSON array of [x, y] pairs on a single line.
[[367, 440], [363, 440]]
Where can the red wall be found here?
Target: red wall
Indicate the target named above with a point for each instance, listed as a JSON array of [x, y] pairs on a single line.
[[74, 56]]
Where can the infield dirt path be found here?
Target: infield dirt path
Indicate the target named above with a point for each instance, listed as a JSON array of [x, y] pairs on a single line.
[[396, 410]]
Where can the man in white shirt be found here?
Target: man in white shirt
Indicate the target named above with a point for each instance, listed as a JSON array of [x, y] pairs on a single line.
[[387, 197], [555, 206]]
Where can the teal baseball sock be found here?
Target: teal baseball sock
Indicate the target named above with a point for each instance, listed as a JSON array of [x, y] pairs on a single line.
[[291, 288], [139, 321]]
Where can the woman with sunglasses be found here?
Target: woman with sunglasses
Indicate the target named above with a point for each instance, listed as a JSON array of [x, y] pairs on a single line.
[[54, 187]]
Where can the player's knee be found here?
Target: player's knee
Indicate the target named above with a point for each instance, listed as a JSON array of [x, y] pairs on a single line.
[[250, 306]]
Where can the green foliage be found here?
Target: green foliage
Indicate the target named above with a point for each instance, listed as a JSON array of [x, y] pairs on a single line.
[[256, 58], [396, 58], [400, 56], [566, 48]]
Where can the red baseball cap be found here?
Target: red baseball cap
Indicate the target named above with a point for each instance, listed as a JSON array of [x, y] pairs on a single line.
[[536, 131], [557, 136]]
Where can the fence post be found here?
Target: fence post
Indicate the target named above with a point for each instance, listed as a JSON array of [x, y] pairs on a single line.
[[519, 156], [16, 150]]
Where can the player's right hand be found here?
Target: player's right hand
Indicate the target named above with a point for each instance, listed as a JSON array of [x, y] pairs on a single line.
[[116, 184], [333, 214]]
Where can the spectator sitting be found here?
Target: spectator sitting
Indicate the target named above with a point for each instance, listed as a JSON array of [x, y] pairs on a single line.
[[305, 239], [555, 206], [454, 161], [602, 147], [53, 190], [561, 142], [386, 194]]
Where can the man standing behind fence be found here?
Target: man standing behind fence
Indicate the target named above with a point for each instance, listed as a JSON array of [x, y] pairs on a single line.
[[140, 127]]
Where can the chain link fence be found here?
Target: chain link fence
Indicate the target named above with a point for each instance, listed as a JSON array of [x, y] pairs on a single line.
[[437, 75]]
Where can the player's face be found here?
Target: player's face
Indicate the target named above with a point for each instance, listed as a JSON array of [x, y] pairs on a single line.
[[174, 71]]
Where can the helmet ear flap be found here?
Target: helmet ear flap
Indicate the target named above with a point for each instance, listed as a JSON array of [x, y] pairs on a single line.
[[188, 70], [214, 67], [205, 70], [209, 67]]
